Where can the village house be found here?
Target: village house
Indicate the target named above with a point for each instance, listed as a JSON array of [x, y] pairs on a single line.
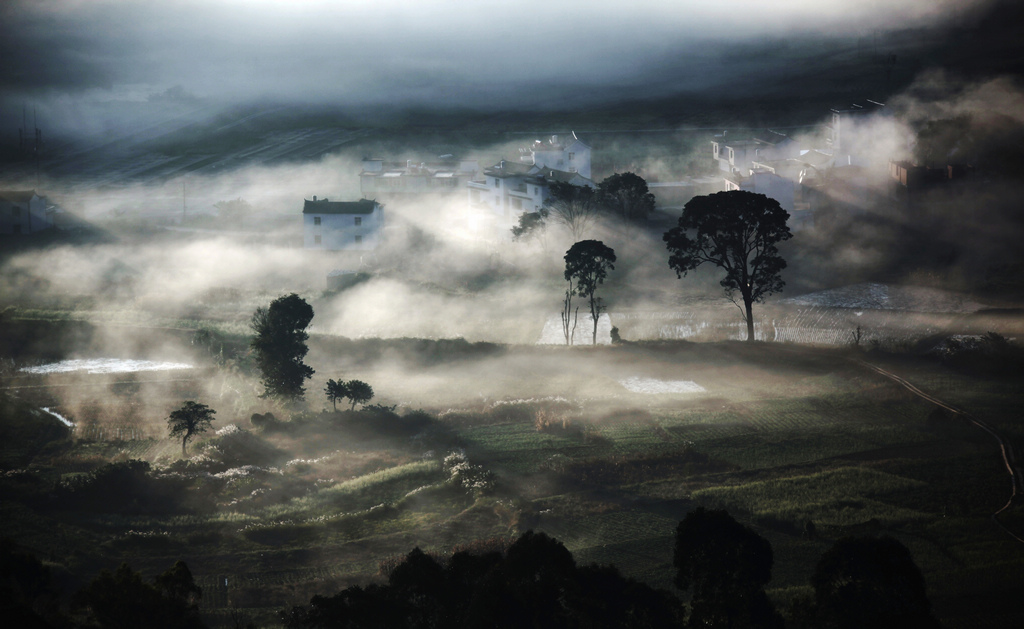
[[24, 212], [510, 188], [342, 225], [395, 180]]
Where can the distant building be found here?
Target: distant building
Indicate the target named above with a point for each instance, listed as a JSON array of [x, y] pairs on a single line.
[[675, 194], [383, 180], [848, 149], [564, 153], [342, 225], [510, 188], [738, 156], [24, 212]]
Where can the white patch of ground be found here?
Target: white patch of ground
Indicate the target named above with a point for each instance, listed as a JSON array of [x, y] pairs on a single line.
[[886, 297], [105, 365], [553, 334], [653, 385]]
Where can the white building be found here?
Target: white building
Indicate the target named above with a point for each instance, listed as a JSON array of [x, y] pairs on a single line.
[[568, 154], [380, 179], [23, 212], [510, 188], [342, 225]]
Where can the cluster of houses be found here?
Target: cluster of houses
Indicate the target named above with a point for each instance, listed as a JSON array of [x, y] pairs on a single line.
[[831, 171]]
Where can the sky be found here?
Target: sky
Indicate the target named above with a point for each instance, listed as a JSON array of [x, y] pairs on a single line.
[[438, 52]]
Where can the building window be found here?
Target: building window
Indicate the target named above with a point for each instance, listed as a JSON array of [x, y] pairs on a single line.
[[359, 220], [316, 239], [536, 192], [497, 182], [359, 239], [572, 156], [316, 220]]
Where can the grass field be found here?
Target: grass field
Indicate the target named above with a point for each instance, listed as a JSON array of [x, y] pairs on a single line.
[[783, 434]]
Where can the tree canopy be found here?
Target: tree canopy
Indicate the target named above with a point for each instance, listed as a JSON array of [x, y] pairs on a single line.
[[587, 264], [626, 195], [870, 582], [736, 231], [358, 392], [279, 345], [191, 419], [727, 566]]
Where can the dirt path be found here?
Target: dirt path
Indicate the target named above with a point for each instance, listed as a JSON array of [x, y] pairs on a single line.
[[1005, 448]]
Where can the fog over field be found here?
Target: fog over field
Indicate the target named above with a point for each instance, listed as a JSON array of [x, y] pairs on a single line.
[[178, 143]]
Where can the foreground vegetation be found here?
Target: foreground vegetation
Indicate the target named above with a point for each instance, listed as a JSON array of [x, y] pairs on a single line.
[[279, 503]]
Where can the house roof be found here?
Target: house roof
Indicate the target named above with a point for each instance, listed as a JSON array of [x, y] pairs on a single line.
[[17, 196], [508, 168], [323, 206]]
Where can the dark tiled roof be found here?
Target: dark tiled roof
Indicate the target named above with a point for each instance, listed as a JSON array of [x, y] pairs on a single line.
[[363, 206], [17, 196], [508, 168]]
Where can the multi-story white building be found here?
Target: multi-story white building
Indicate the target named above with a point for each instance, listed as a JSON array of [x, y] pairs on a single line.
[[568, 154], [510, 188], [342, 225]]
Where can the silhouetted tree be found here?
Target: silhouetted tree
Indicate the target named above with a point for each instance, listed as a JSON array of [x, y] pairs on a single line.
[[870, 582], [535, 584], [279, 345], [123, 600], [191, 419], [531, 225], [575, 207], [587, 263], [358, 392], [335, 391], [736, 231], [626, 195], [726, 565]]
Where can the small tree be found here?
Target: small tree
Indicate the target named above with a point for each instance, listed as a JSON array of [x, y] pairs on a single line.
[[191, 419], [569, 316], [279, 345], [531, 225], [336, 390], [588, 262], [626, 195], [736, 231], [358, 392]]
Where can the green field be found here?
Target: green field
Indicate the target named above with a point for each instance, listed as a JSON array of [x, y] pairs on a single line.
[[783, 435]]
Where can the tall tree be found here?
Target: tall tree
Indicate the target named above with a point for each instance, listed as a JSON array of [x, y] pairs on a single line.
[[279, 345], [575, 207], [587, 263], [736, 231], [626, 195], [191, 419], [727, 566]]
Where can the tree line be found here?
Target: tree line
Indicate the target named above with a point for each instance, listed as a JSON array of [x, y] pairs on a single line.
[[736, 231]]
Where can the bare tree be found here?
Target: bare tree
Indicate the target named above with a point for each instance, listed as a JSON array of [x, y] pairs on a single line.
[[569, 315], [575, 207]]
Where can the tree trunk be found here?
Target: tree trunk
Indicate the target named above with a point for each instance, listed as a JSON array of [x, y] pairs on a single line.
[[184, 440], [593, 316], [750, 318]]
